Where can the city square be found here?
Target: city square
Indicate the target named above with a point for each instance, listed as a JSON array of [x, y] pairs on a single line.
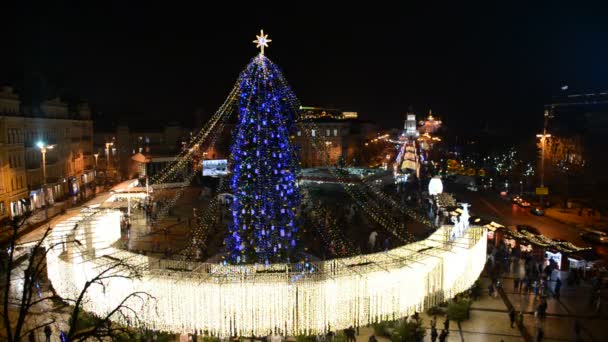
[[270, 219]]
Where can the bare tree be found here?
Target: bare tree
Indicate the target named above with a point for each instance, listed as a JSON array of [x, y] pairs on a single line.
[[18, 306], [564, 161]]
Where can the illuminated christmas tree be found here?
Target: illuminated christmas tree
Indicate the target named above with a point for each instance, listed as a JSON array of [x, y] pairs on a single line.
[[264, 166]]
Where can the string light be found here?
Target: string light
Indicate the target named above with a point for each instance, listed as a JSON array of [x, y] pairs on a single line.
[[229, 300]]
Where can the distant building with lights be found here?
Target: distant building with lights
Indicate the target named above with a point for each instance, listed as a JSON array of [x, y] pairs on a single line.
[[582, 117], [326, 113], [69, 161], [343, 134], [117, 146]]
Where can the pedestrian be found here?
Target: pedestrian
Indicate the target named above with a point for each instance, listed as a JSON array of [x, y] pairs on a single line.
[[542, 309], [577, 329], [516, 284], [372, 241], [350, 334], [557, 288], [433, 334], [434, 322], [491, 290], [540, 334], [512, 316], [48, 332], [31, 337], [443, 336], [446, 324], [372, 339], [520, 318]]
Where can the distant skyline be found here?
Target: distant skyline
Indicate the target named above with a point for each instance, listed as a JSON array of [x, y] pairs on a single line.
[[473, 66]]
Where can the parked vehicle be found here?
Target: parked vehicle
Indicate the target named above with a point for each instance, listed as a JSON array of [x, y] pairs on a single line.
[[523, 203], [521, 228], [472, 188], [538, 211], [594, 236]]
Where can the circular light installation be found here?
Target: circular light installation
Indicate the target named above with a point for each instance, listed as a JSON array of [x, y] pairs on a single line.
[[245, 300]]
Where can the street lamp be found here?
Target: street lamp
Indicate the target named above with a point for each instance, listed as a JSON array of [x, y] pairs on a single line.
[[43, 148], [543, 142], [108, 144], [96, 155]]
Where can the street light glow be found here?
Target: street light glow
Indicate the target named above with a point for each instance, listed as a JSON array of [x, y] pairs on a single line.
[[40, 144]]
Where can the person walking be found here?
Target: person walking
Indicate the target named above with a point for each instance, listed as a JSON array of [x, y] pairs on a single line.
[[540, 334], [443, 336], [434, 334], [542, 309], [577, 330], [557, 288], [434, 322], [372, 241], [446, 325], [512, 316], [520, 319], [47, 333]]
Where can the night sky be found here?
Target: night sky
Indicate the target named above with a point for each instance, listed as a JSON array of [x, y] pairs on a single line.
[[472, 65]]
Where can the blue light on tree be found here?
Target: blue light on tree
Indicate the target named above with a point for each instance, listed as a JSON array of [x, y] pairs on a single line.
[[264, 166]]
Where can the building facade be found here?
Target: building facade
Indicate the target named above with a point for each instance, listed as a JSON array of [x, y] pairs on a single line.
[[54, 133], [115, 148], [342, 133]]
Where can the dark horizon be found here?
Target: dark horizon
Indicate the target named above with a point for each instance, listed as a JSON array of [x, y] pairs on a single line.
[[473, 66]]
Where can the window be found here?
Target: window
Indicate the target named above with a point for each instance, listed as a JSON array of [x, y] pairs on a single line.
[[2, 209], [313, 133], [327, 132], [299, 133], [335, 132]]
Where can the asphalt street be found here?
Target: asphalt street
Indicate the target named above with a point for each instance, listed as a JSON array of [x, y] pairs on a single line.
[[492, 206]]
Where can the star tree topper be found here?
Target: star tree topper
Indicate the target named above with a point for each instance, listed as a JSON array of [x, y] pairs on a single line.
[[262, 41]]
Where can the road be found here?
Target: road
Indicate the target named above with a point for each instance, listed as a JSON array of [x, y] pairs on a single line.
[[491, 206]]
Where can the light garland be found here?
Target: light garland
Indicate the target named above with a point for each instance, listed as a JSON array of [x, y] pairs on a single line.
[[244, 300]]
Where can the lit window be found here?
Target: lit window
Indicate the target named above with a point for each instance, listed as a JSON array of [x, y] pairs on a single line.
[[313, 133], [335, 132], [299, 133], [327, 132]]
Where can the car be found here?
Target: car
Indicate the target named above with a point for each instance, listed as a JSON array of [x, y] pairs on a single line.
[[538, 211], [472, 188], [521, 228], [594, 236], [516, 199], [523, 203]]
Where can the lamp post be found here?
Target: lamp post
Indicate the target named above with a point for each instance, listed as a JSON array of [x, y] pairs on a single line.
[[43, 148], [543, 142], [108, 144], [96, 155]]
